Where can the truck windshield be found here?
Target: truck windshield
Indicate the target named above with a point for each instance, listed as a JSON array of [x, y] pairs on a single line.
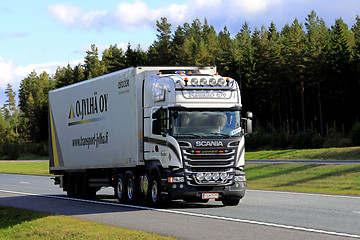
[[205, 123]]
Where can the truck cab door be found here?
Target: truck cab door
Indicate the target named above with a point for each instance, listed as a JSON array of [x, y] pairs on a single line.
[[155, 136]]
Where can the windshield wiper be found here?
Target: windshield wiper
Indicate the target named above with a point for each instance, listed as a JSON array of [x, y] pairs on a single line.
[[192, 135], [221, 134]]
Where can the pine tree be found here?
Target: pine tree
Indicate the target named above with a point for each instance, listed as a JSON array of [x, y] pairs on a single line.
[[317, 42], [93, 67], [293, 52], [10, 104], [113, 59]]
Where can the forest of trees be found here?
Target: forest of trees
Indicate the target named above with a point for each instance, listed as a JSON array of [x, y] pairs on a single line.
[[301, 82]]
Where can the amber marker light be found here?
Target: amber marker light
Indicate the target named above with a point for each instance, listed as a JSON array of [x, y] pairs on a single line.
[[186, 81]]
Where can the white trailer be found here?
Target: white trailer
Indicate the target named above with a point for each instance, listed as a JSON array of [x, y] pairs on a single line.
[[152, 133]]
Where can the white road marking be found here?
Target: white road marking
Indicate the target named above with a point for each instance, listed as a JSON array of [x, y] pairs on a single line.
[[304, 193], [24, 182], [195, 214]]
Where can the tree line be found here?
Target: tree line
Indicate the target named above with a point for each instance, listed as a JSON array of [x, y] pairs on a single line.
[[301, 78]]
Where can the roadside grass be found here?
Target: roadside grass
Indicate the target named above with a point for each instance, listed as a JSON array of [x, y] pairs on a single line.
[[25, 167], [25, 224], [332, 179], [348, 153]]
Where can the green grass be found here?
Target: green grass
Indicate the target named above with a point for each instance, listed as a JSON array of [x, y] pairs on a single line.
[[349, 153], [24, 224], [25, 167], [333, 179]]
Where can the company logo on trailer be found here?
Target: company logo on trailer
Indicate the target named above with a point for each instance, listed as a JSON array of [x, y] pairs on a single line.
[[87, 107]]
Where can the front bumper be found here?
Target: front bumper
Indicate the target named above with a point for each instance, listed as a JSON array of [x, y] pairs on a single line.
[[181, 190]]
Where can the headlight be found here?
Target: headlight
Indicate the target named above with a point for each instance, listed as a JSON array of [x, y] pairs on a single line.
[[221, 82], [194, 81], [203, 81], [241, 178], [176, 179], [212, 81]]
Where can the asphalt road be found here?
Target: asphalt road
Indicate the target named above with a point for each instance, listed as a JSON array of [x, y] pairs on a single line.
[[260, 215]]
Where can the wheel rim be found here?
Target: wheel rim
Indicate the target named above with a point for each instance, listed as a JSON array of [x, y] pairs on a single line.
[[120, 188], [154, 192], [130, 189]]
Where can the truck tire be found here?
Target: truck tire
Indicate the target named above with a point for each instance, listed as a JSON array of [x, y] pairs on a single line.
[[79, 185], [120, 188], [155, 190], [130, 187], [70, 187], [230, 201]]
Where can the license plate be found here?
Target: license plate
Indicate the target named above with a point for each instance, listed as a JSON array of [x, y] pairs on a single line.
[[210, 195]]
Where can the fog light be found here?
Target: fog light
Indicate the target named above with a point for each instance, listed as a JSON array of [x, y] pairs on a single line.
[[200, 176], [216, 176], [223, 176], [221, 82], [208, 176], [194, 81], [212, 81], [203, 81]]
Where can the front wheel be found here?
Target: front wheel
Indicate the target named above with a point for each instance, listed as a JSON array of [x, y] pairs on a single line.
[[155, 190], [230, 202]]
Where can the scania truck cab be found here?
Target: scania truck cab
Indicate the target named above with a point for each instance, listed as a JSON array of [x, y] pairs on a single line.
[[193, 124]]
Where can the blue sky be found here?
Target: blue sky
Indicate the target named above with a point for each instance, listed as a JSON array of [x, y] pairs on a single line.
[[42, 35]]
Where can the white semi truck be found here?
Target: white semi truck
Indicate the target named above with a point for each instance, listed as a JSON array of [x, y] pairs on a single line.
[[152, 133]]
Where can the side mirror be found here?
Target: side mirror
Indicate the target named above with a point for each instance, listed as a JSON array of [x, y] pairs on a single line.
[[156, 126], [249, 116], [156, 115]]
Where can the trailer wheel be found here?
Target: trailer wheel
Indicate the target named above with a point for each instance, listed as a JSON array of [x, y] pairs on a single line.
[[70, 185], [120, 188], [155, 190], [79, 185], [230, 202], [130, 184]]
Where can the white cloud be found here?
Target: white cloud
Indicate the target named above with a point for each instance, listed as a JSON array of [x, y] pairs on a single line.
[[134, 15], [50, 68], [6, 70], [253, 6], [13, 73], [75, 16]]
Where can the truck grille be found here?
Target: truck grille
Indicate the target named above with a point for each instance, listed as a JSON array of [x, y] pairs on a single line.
[[209, 161], [201, 161]]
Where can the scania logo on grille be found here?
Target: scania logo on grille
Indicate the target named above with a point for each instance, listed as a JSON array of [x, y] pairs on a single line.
[[209, 144]]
